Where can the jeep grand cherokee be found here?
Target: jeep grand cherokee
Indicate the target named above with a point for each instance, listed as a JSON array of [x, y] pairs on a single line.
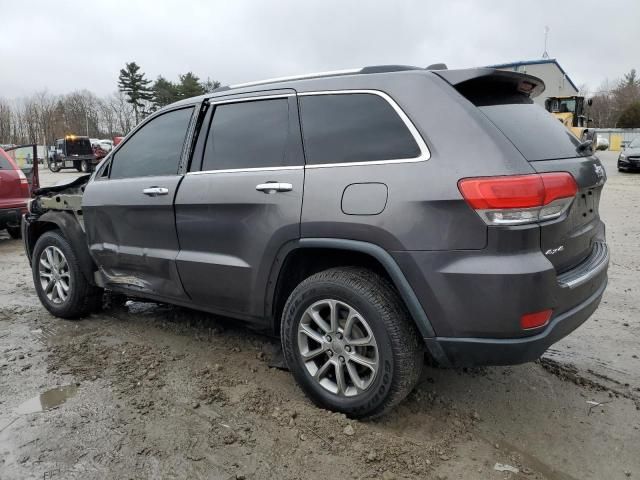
[[369, 217]]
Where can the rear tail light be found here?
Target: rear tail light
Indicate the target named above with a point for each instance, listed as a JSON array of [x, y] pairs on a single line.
[[518, 199], [535, 320], [23, 178]]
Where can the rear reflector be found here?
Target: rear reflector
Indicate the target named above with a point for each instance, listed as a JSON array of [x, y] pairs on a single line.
[[517, 199], [535, 320]]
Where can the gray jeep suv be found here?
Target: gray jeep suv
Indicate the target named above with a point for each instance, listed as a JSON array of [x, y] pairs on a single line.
[[368, 217]]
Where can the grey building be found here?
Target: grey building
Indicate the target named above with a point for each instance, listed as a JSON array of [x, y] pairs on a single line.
[[558, 83]]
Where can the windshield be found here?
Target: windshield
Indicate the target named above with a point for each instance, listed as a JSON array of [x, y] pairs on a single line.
[[563, 105], [79, 146], [635, 143]]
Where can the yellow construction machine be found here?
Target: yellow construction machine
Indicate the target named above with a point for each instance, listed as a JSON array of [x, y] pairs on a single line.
[[571, 111]]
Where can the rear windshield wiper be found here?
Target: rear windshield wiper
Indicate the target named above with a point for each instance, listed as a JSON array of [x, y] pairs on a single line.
[[587, 144]]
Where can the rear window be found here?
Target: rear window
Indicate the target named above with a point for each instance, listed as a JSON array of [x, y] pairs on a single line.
[[354, 127], [4, 163], [536, 133], [79, 146]]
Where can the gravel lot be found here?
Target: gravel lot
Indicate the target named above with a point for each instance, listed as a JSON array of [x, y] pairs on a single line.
[[153, 391]]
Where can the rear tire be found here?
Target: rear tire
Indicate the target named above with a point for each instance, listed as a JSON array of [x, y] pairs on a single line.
[[59, 281], [85, 167], [361, 367], [14, 232], [54, 166]]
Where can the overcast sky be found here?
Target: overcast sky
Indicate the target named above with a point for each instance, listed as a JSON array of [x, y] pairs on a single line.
[[67, 45]]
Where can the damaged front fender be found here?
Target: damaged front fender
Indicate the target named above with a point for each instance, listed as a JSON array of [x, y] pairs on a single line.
[[60, 207]]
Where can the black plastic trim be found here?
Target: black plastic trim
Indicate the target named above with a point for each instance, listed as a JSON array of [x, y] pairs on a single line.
[[389, 264], [464, 352]]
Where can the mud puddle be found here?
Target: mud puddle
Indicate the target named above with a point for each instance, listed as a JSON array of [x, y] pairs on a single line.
[[47, 400]]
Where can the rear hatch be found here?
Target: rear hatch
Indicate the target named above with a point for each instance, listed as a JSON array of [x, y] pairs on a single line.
[[505, 99]]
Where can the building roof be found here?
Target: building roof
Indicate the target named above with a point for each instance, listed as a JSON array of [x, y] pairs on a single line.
[[536, 62]]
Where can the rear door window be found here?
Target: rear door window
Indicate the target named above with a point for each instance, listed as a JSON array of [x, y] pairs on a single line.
[[155, 149], [353, 127], [249, 134]]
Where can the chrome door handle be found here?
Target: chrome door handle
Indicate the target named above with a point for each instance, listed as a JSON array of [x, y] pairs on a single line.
[[155, 191], [273, 187]]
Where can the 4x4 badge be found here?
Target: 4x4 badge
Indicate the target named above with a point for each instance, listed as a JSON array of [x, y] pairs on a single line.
[[551, 251]]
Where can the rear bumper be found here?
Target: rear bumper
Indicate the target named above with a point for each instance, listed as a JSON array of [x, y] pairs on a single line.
[[10, 217], [461, 352], [474, 300]]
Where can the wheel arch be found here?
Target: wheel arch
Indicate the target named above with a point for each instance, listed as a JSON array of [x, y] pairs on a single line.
[[72, 231], [279, 286]]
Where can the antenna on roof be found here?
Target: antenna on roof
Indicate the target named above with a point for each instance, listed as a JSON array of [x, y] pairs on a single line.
[[545, 54]]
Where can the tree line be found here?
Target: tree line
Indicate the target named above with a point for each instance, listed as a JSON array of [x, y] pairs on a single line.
[[617, 107], [145, 97], [43, 117]]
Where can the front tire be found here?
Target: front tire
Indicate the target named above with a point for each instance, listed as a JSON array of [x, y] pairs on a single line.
[[59, 281], [349, 342]]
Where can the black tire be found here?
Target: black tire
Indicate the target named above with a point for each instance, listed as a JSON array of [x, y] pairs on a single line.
[[54, 166], [85, 167], [82, 298], [399, 348], [14, 232], [77, 166]]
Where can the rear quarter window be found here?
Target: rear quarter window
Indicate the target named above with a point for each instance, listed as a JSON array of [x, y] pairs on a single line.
[[353, 127]]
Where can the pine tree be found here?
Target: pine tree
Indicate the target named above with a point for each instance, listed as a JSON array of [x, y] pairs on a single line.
[[210, 85], [164, 92], [190, 86], [630, 116], [136, 87]]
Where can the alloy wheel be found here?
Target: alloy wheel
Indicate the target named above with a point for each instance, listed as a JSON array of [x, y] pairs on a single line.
[[338, 348], [55, 278]]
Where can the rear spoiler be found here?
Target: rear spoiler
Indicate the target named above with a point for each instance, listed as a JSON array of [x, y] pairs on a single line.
[[471, 81]]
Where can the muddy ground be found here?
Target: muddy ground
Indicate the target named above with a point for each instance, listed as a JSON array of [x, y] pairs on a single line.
[[151, 391]]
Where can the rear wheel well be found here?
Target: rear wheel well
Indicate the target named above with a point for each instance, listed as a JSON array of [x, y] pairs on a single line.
[[304, 262]]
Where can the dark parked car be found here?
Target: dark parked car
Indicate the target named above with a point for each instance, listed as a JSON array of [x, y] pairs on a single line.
[[367, 217], [629, 158], [14, 195], [72, 152]]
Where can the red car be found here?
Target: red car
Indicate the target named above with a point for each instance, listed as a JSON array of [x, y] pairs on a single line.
[[14, 195]]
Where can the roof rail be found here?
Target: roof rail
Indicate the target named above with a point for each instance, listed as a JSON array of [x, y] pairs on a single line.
[[298, 77], [334, 73], [388, 68]]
